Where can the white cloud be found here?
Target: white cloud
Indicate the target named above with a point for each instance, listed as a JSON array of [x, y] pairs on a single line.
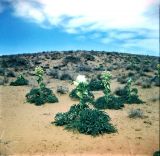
[[93, 14]]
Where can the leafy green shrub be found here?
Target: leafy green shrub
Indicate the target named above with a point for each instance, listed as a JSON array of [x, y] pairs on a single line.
[[85, 120], [20, 81], [87, 98], [129, 95], [41, 96], [112, 103], [108, 101], [68, 117], [96, 85], [157, 153]]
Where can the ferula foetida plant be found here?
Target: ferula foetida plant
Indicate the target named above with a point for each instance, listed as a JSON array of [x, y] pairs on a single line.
[[39, 72], [106, 79], [81, 88]]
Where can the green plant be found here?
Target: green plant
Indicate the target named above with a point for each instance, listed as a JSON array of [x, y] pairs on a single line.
[[39, 72], [87, 98], [156, 153], [129, 95], [112, 103], [80, 117], [108, 101], [20, 81], [81, 92], [85, 120], [95, 85], [41, 94]]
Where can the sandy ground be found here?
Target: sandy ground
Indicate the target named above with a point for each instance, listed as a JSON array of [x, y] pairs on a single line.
[[26, 129]]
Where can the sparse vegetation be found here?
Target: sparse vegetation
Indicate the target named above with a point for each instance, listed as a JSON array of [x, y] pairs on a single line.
[[62, 89], [135, 113]]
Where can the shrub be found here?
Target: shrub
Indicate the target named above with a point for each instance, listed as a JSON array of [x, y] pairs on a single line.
[[21, 81], [2, 71], [66, 76], [96, 85], [112, 103], [62, 89], [128, 95], [156, 80], [87, 98], [108, 101], [146, 83], [85, 120], [10, 74], [53, 73], [135, 113], [41, 96], [88, 57], [71, 59], [156, 153], [122, 79]]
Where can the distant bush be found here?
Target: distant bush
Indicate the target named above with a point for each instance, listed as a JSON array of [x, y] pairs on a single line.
[[53, 73], [66, 76], [133, 67], [2, 71], [122, 79], [146, 83], [156, 80], [21, 81], [95, 85], [71, 59], [62, 89], [112, 103], [87, 121], [135, 113], [85, 68], [89, 57], [41, 96], [10, 74]]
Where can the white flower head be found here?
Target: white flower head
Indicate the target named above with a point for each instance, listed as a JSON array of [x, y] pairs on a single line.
[[80, 79]]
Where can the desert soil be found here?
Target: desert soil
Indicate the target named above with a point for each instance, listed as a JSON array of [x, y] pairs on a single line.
[[26, 129]]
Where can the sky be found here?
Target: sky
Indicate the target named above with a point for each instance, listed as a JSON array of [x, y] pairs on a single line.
[[130, 26]]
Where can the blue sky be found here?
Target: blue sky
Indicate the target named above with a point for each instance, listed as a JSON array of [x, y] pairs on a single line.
[[42, 25]]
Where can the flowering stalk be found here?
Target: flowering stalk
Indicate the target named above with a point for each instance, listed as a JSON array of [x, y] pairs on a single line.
[[106, 77], [82, 88], [39, 72]]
